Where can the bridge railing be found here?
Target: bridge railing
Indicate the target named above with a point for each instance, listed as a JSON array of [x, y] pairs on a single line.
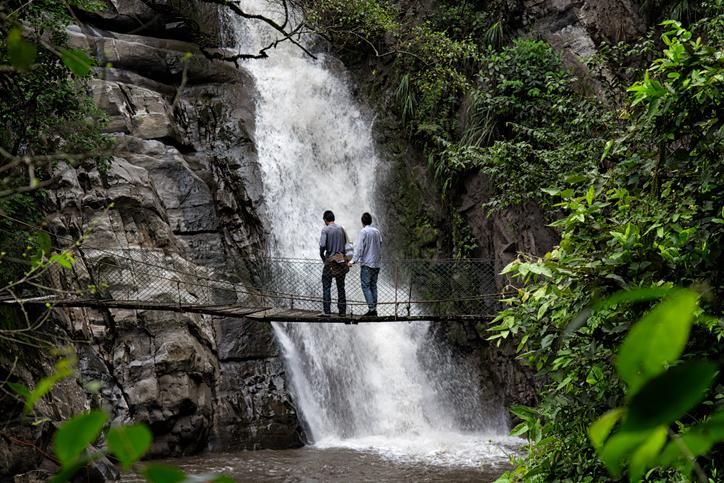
[[405, 287], [456, 287]]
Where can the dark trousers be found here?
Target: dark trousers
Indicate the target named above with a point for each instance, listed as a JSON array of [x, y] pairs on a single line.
[[368, 278], [327, 291]]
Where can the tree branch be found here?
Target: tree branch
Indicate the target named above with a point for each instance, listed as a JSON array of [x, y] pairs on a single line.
[[279, 27]]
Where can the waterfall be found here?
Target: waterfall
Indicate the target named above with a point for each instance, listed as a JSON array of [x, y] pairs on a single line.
[[384, 387]]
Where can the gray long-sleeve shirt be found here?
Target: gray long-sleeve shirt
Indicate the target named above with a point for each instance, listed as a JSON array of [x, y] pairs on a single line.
[[332, 240], [368, 249]]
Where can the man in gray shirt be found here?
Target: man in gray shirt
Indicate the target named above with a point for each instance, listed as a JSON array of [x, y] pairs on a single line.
[[331, 249], [368, 251]]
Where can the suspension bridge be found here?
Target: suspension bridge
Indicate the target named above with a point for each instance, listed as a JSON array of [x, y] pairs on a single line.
[[261, 289]]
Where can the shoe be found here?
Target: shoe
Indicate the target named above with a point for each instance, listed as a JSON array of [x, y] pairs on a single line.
[[370, 313], [324, 314]]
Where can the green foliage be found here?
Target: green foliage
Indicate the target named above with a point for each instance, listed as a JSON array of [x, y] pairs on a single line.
[[45, 109], [657, 340], [74, 440], [643, 225], [406, 99], [64, 368], [129, 443], [45, 112], [682, 92], [658, 393], [681, 10], [352, 24], [525, 123], [157, 473], [21, 53], [464, 242], [77, 61], [76, 434], [440, 70]]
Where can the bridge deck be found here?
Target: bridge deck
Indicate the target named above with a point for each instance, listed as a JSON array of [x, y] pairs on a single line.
[[260, 314]]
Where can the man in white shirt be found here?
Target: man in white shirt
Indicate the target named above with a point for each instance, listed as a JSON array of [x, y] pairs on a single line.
[[368, 251]]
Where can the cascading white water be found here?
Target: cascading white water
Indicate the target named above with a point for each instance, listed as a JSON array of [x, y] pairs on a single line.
[[376, 386]]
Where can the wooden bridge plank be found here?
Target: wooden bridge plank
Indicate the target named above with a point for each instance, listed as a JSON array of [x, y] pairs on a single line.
[[260, 314]]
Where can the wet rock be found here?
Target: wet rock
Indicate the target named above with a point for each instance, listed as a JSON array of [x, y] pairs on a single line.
[[167, 376], [19, 459], [504, 234], [100, 470], [184, 185], [243, 339], [35, 476], [259, 415], [134, 110], [575, 27], [163, 60], [612, 20]]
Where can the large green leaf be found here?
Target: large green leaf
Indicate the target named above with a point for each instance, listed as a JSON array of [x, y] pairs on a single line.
[[129, 443], [619, 447], [156, 473], [601, 428], [625, 296], [77, 61], [63, 369], [45, 244], [76, 434], [645, 456], [523, 412], [636, 295], [670, 395], [21, 53], [657, 340]]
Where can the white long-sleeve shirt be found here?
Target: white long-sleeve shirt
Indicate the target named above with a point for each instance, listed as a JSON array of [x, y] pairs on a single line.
[[368, 249]]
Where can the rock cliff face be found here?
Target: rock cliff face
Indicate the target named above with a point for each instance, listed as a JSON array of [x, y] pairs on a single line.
[[182, 187]]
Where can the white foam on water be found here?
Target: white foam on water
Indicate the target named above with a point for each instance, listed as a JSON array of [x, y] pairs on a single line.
[[368, 387], [437, 448]]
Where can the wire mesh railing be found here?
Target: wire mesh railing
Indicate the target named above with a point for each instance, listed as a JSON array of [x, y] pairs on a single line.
[[406, 288]]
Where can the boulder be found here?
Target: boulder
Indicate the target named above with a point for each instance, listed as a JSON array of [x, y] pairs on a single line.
[[261, 414]]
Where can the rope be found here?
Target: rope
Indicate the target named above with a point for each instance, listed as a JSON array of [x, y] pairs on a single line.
[[444, 286]]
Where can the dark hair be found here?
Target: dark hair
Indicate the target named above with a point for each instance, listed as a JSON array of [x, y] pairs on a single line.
[[328, 216], [366, 219]]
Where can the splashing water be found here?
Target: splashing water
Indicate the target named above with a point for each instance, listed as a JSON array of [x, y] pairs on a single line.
[[384, 387]]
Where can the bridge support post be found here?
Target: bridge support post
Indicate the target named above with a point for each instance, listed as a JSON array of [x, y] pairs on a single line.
[[409, 294], [397, 269]]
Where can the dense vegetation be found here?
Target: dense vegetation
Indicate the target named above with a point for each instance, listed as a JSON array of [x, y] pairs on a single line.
[[46, 115], [652, 219], [631, 180]]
